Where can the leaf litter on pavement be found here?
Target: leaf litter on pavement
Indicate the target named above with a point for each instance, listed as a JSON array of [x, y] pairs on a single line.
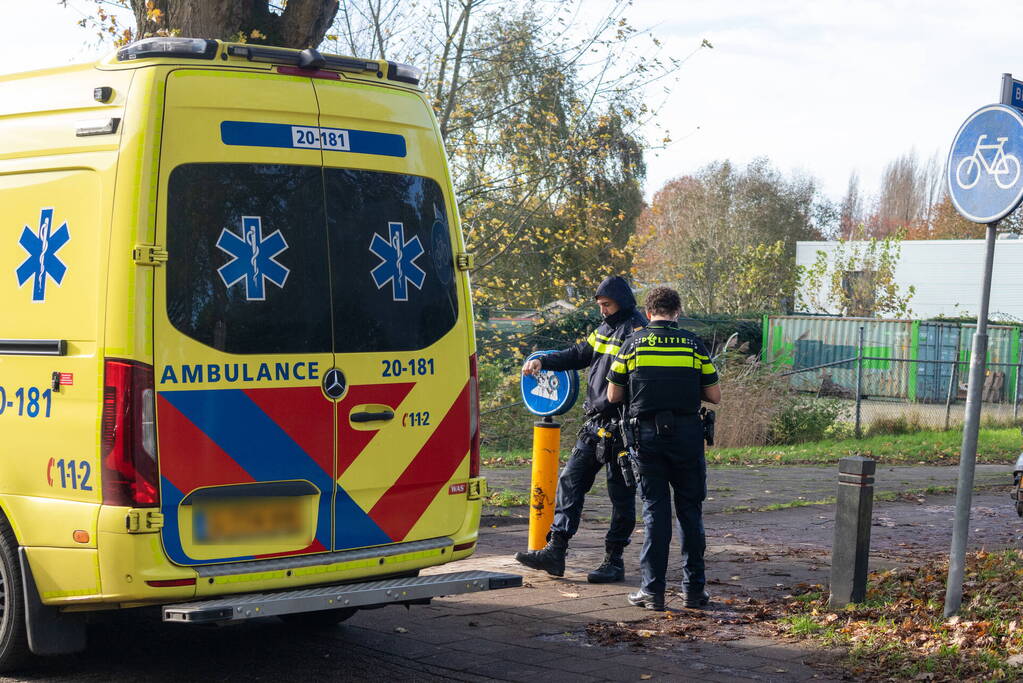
[[900, 632], [726, 619]]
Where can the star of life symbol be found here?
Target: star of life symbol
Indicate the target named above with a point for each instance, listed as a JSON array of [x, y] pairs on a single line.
[[42, 261], [397, 261], [546, 385], [254, 258]]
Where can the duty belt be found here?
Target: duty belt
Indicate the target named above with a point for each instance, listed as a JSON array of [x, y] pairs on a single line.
[[651, 414]]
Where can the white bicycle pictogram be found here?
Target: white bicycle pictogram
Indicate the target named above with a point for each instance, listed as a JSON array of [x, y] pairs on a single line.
[[1001, 166]]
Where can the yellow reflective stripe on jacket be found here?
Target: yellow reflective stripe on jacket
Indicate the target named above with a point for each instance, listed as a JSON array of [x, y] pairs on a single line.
[[708, 369], [668, 357], [600, 344], [664, 360], [609, 349], [608, 345], [668, 351], [619, 367]]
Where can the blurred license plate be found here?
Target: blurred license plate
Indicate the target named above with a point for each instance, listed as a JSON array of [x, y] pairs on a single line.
[[249, 520]]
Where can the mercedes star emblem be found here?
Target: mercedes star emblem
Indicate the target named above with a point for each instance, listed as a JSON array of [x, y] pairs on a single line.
[[334, 383]]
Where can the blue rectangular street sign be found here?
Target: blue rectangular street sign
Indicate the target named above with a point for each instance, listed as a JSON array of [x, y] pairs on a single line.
[[1012, 92]]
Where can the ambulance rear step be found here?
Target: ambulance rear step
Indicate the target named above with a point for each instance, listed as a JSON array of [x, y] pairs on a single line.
[[371, 593]]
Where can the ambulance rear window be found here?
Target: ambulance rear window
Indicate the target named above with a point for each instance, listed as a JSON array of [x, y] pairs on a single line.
[[391, 261], [248, 270], [264, 257]]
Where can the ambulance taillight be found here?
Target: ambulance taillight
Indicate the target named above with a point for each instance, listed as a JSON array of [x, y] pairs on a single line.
[[474, 418], [128, 435]]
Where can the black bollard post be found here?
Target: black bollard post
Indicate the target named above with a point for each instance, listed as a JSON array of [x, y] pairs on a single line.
[[851, 549]]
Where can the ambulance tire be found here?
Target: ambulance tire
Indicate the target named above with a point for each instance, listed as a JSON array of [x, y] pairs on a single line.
[[323, 619], [14, 650]]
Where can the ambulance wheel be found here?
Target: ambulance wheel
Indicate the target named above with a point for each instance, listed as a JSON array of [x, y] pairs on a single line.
[[319, 620], [13, 634]]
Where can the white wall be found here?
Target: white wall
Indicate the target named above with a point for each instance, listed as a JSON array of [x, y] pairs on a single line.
[[948, 275]]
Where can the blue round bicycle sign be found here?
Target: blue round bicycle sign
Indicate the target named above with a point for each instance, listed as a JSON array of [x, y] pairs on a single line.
[[984, 175], [549, 392]]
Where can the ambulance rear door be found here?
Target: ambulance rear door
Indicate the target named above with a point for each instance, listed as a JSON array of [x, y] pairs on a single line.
[[243, 330], [400, 336]]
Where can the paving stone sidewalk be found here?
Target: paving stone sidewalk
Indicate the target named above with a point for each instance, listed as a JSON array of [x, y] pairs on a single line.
[[541, 629]]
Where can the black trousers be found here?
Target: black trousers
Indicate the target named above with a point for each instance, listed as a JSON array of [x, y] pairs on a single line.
[[577, 479], [673, 470]]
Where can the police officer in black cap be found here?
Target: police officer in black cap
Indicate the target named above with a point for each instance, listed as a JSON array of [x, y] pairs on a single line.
[[667, 372], [597, 351]]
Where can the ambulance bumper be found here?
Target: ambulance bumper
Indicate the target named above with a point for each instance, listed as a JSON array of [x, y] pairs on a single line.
[[368, 594]]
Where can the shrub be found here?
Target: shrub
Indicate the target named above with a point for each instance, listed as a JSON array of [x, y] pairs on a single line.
[[999, 422], [840, 431], [805, 419], [900, 424], [751, 396]]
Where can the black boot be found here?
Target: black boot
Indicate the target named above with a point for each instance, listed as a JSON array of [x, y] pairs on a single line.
[[612, 569], [697, 600], [646, 600], [550, 558]]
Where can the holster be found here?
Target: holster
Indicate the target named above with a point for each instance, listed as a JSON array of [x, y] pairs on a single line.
[[709, 417], [609, 440], [628, 457]]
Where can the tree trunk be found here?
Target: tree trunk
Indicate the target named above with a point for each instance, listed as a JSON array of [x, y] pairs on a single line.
[[302, 24]]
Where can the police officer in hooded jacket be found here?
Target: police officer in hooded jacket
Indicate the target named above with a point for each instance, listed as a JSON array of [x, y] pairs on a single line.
[[596, 352]]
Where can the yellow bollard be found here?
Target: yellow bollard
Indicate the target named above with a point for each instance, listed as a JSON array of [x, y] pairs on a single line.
[[544, 484]]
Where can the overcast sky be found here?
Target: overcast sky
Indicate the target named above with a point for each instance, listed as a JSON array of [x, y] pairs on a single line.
[[829, 86], [824, 87]]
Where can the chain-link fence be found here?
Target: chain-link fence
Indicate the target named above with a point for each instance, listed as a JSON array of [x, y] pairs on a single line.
[[886, 394]]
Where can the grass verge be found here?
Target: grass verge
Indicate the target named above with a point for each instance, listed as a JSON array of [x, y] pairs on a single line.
[[518, 458], [900, 632], [888, 496], [995, 446], [504, 498]]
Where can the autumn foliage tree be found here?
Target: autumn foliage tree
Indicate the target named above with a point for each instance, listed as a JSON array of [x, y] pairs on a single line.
[[726, 236], [540, 111], [291, 23], [909, 190], [950, 225], [540, 106], [913, 201]]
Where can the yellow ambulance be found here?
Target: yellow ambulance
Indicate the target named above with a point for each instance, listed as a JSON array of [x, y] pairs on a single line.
[[237, 364]]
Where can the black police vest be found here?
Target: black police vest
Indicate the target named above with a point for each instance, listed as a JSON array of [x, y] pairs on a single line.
[[665, 369]]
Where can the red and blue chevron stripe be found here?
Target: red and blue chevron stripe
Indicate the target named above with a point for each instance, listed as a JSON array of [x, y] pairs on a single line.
[[235, 436]]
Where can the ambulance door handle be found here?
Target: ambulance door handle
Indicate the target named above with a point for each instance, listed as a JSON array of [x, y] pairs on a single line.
[[369, 417]]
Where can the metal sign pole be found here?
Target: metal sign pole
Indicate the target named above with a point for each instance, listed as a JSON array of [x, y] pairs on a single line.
[[1006, 93], [968, 454], [858, 431]]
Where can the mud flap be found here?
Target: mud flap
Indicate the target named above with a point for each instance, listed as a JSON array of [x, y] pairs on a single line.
[[49, 631]]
